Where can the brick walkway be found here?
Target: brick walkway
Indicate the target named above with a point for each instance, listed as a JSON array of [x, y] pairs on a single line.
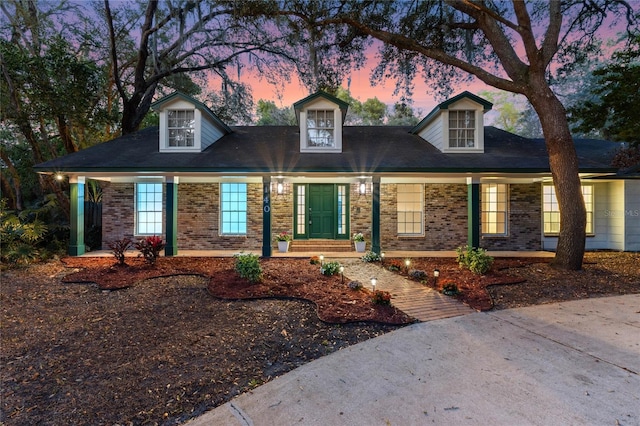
[[413, 298]]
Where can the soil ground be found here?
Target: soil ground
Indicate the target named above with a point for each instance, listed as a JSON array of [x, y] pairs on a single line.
[[85, 343]]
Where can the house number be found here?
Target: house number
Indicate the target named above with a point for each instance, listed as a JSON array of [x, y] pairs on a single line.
[[267, 209]]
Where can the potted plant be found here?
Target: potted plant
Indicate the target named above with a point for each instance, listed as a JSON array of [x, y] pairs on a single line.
[[358, 240], [283, 240]]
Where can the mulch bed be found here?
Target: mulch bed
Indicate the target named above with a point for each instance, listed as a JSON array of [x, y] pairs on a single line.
[[161, 349], [282, 278]]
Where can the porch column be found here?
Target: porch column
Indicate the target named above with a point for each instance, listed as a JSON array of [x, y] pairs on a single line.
[[375, 216], [266, 216], [473, 212], [76, 218], [171, 217]]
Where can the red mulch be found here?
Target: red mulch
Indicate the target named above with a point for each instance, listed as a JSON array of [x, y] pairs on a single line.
[[282, 278], [473, 288]]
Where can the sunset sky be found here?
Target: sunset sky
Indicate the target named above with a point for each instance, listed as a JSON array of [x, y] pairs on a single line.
[[362, 90]]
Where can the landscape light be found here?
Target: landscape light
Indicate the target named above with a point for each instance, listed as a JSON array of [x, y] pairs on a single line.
[[342, 274], [374, 281]]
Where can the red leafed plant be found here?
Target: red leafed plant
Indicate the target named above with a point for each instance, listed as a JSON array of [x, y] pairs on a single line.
[[150, 248], [119, 249], [395, 265], [381, 297]]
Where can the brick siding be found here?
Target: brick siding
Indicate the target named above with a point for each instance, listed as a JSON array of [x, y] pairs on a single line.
[[445, 217], [525, 220]]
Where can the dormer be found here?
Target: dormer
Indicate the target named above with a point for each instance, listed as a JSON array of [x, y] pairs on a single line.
[[187, 125], [320, 117], [456, 125]]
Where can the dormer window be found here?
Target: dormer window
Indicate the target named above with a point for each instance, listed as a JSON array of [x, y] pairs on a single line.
[[320, 128], [456, 125], [320, 117], [187, 125], [462, 128], [181, 127]]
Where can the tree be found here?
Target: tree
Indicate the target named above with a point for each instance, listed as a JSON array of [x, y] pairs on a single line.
[[613, 109], [439, 39], [506, 106], [179, 37], [371, 112], [403, 115], [270, 115], [50, 92]]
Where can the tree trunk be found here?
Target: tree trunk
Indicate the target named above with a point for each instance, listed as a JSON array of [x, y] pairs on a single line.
[[563, 162], [12, 192]]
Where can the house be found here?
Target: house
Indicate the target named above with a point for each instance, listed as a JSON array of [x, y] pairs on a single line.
[[447, 182]]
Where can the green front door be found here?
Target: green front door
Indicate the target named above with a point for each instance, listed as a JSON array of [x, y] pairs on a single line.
[[322, 211]]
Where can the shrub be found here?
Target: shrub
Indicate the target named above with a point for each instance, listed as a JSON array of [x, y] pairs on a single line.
[[330, 268], [355, 285], [247, 265], [21, 236], [475, 259], [395, 265], [381, 297], [450, 289], [371, 256], [119, 248], [358, 237], [315, 260], [418, 275], [150, 248]]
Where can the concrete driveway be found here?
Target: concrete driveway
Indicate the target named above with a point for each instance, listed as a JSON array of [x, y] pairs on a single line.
[[572, 363]]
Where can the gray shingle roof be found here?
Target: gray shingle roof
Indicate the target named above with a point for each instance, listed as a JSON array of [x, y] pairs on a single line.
[[366, 149]]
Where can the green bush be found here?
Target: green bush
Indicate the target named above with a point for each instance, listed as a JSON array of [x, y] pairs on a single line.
[[371, 256], [450, 289], [475, 259], [248, 267], [330, 268], [355, 285], [418, 274], [21, 237]]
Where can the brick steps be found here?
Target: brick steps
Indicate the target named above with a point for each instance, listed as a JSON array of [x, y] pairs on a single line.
[[321, 246]]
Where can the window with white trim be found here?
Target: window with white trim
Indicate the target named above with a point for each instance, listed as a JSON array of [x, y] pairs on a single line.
[[148, 208], [410, 209], [495, 203], [462, 128], [233, 208], [551, 209], [320, 128], [181, 128]]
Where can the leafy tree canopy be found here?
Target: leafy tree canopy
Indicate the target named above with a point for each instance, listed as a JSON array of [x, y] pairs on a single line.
[[613, 108]]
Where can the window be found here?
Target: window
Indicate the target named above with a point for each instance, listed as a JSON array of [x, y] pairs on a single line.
[[551, 210], [181, 124], [148, 208], [301, 210], [320, 128], [233, 209], [495, 202], [410, 209], [462, 128], [342, 209]]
